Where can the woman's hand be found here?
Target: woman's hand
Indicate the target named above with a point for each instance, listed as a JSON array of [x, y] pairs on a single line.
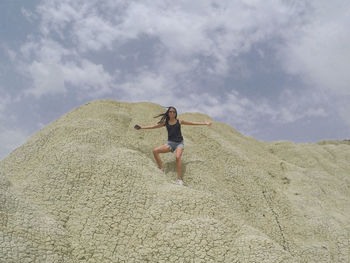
[[208, 123]]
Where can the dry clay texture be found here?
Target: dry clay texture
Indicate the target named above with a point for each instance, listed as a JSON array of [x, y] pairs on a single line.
[[86, 188]]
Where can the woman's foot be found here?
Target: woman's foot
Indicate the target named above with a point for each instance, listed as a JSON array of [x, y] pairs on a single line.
[[180, 182], [162, 169]]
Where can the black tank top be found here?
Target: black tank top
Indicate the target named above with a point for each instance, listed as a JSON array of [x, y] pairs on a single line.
[[174, 131]]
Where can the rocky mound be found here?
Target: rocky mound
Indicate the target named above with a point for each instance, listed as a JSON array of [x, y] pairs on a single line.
[[86, 189]]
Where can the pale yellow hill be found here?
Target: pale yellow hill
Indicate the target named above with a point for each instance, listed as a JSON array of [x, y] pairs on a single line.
[[86, 189]]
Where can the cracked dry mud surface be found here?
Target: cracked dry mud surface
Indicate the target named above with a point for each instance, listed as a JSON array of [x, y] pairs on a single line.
[[86, 189]]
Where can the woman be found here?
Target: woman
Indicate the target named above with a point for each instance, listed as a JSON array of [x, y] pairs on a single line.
[[175, 139]]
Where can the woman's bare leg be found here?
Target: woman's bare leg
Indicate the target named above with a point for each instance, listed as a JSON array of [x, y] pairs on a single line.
[[179, 151], [161, 149]]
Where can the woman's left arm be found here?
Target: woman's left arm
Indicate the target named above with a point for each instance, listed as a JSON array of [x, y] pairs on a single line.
[[195, 123]]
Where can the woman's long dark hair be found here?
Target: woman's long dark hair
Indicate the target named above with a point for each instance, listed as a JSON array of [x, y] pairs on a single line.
[[165, 116]]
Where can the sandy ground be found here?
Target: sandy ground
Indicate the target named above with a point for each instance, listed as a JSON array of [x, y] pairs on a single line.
[[86, 188]]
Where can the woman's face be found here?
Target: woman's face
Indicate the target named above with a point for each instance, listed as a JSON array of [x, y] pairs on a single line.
[[172, 113]]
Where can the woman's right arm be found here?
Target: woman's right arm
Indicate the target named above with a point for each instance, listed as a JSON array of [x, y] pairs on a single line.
[[153, 127]]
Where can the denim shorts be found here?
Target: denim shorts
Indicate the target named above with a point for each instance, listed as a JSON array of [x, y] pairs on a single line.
[[175, 145]]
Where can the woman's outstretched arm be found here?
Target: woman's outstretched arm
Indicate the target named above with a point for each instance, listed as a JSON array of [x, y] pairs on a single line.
[[195, 123], [149, 127]]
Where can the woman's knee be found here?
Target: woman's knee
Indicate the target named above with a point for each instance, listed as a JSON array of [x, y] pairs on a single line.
[[178, 156]]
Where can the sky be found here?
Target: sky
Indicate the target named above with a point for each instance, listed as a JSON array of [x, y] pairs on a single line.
[[272, 69]]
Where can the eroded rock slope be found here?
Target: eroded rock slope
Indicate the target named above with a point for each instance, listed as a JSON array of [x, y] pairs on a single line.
[[86, 189]]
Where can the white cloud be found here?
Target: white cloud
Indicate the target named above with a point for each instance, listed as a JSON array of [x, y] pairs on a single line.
[[220, 31], [52, 67], [28, 14], [48, 79], [88, 77], [146, 86], [41, 62], [293, 106], [193, 36], [55, 15], [51, 79], [94, 33], [320, 51], [46, 50]]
